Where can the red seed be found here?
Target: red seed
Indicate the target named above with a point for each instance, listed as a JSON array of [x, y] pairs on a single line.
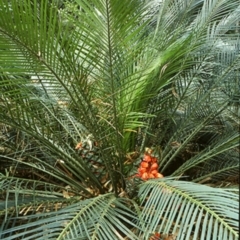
[[144, 164], [147, 158], [154, 166], [154, 172], [159, 175], [142, 170], [145, 176], [155, 236], [150, 175]]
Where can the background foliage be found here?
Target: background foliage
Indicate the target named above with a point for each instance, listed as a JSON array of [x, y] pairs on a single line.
[[87, 86]]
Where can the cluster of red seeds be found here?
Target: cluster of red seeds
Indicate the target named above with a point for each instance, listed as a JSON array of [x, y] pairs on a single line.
[[155, 236], [149, 167], [158, 236]]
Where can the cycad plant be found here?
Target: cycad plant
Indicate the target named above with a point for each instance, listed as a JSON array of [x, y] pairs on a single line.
[[99, 100]]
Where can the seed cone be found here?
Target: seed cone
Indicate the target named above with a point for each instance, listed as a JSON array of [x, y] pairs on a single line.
[[148, 168]]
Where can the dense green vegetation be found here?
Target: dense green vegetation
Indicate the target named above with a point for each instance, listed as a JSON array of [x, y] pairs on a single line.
[[91, 89]]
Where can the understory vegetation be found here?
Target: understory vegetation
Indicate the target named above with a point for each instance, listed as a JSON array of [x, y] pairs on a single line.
[[119, 119]]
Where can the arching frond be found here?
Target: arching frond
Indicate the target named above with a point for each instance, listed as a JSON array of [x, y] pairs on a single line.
[[102, 217], [86, 86], [188, 210]]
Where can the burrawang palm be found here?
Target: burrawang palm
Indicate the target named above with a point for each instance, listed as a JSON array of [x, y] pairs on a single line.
[[101, 99]]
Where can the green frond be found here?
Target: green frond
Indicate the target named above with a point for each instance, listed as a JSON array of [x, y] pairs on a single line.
[[188, 210], [224, 167], [86, 86], [102, 217], [231, 142], [61, 174], [56, 72]]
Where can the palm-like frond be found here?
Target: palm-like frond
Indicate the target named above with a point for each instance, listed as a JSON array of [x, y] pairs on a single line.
[[188, 210], [95, 218], [185, 209], [60, 72], [217, 170], [114, 77]]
